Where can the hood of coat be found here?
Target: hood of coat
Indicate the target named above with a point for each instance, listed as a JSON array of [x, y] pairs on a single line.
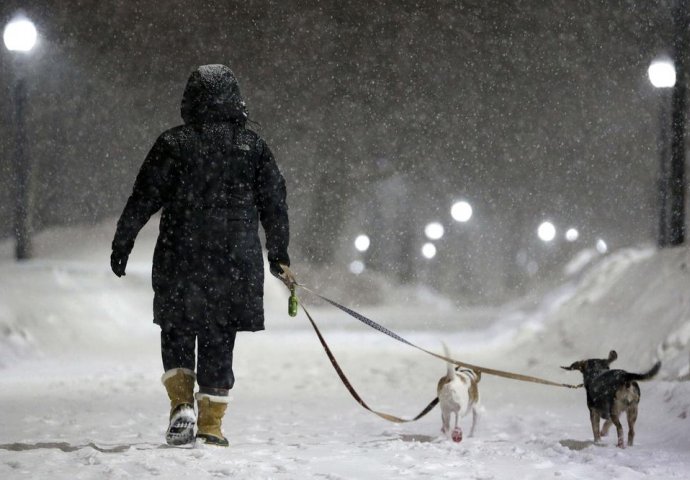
[[212, 94]]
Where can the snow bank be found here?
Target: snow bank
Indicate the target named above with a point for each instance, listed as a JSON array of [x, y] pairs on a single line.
[[67, 299], [634, 301]]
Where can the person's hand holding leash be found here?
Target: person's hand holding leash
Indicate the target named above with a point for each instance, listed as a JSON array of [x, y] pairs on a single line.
[[276, 268], [287, 276]]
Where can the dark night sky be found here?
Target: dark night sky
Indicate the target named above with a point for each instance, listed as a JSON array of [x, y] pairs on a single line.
[[530, 109]]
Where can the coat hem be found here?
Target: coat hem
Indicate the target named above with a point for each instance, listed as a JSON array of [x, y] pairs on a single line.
[[247, 329]]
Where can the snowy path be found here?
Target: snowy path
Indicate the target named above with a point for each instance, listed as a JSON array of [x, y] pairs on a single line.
[[103, 417]]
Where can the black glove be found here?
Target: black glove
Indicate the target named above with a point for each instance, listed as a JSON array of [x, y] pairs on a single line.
[[284, 274], [118, 262], [276, 269]]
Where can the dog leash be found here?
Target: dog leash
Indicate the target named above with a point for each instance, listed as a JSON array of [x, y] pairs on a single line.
[[386, 331], [351, 389], [488, 371]]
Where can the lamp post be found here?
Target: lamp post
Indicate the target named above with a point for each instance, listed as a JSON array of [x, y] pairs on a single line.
[[672, 181], [677, 183], [662, 75], [20, 37]]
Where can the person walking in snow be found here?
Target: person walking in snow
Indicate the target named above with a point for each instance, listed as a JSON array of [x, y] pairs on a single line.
[[215, 180]]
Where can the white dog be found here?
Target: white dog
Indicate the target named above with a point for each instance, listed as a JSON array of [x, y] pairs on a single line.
[[458, 393]]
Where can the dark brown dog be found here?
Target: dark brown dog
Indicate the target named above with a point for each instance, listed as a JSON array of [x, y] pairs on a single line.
[[611, 392]]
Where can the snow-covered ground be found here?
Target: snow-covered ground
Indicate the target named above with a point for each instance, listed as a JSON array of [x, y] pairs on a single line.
[[81, 396]]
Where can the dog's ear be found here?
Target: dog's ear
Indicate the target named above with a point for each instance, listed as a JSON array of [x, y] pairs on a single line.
[[574, 366], [612, 356]]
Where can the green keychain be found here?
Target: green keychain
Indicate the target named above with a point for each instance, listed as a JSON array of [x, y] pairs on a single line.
[[292, 302]]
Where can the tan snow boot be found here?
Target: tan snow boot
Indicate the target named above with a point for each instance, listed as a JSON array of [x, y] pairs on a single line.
[[179, 382], [211, 411]]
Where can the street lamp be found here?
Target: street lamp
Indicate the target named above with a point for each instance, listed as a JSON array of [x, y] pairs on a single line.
[[434, 231], [429, 250], [461, 211], [572, 234], [546, 232], [601, 246], [672, 182], [662, 75], [20, 36], [357, 267], [362, 243]]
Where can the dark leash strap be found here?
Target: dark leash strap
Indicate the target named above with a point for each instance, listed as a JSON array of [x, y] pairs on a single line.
[[351, 389], [382, 329]]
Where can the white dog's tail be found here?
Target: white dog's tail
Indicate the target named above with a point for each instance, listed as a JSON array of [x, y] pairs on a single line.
[[450, 372]]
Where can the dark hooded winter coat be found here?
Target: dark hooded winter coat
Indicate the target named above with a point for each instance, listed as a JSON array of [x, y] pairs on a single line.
[[214, 180]]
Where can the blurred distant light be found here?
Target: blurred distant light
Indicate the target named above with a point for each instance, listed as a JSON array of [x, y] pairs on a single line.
[[362, 243], [357, 267], [662, 73], [546, 232], [20, 35], [572, 234], [602, 247], [429, 250], [434, 230], [461, 211]]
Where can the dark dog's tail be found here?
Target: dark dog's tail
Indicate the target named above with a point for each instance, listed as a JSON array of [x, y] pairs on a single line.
[[644, 376]]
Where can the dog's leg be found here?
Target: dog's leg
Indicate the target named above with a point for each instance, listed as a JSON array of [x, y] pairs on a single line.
[[605, 428], [475, 417], [456, 434], [632, 417], [594, 418], [619, 430], [445, 418]]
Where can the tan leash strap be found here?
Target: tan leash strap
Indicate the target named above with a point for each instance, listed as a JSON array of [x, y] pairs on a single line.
[[382, 329], [351, 389]]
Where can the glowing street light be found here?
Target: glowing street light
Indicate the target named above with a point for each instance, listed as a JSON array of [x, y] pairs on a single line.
[[572, 234], [429, 250], [461, 211], [662, 73], [20, 36], [602, 247], [546, 231], [362, 243], [434, 231], [357, 267]]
